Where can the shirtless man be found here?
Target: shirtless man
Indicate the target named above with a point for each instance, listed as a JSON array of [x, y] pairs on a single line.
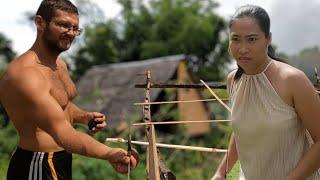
[[36, 91]]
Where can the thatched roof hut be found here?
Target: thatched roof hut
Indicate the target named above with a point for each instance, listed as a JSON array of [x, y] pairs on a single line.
[[110, 89]]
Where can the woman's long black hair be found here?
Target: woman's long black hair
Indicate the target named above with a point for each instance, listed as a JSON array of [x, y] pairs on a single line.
[[263, 20]]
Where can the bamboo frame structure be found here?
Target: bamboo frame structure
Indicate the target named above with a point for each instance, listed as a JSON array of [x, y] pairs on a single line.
[[152, 156], [152, 168]]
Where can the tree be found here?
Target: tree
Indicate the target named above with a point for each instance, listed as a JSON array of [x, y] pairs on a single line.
[[159, 28], [6, 52], [8, 135], [6, 55], [99, 48]]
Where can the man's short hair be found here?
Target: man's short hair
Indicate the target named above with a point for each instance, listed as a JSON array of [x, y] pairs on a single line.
[[48, 8]]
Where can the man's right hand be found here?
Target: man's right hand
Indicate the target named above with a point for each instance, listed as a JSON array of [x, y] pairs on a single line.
[[119, 160]]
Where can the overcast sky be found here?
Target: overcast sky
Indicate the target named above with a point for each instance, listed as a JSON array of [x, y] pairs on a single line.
[[294, 23]]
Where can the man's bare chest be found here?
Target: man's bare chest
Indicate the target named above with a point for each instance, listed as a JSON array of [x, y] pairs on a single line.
[[62, 89]]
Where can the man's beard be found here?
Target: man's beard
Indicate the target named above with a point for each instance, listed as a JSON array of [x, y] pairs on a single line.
[[53, 45]]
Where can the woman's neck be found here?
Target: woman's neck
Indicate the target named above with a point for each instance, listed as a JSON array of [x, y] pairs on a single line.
[[258, 68]]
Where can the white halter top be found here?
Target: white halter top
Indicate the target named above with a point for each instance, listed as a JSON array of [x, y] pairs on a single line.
[[270, 138]]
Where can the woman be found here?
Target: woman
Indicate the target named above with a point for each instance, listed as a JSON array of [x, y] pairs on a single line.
[[275, 108]]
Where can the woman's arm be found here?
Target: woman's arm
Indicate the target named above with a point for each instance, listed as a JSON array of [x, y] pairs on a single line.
[[232, 157], [307, 105]]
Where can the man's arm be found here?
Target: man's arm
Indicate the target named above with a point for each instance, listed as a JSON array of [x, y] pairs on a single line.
[[78, 115], [35, 103]]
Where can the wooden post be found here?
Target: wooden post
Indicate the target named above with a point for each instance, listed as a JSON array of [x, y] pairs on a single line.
[[152, 155]]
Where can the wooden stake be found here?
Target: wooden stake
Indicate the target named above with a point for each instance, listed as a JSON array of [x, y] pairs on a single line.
[[152, 153]]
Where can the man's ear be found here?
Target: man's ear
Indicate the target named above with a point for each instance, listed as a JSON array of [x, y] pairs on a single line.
[[40, 23]]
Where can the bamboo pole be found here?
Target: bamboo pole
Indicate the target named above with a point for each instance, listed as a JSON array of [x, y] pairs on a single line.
[[173, 102], [217, 97], [178, 122], [152, 153], [194, 86], [170, 146]]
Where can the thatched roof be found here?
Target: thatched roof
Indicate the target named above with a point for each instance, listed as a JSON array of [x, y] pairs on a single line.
[[110, 88]]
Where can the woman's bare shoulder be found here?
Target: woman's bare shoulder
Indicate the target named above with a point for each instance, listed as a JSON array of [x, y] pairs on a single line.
[[295, 79], [287, 72], [231, 75]]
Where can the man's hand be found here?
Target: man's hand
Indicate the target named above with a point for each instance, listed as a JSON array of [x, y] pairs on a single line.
[[119, 160], [100, 121]]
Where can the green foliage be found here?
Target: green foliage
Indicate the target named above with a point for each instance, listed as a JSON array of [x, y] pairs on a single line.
[[100, 48], [2, 69], [8, 134], [85, 168], [6, 52], [160, 28], [8, 141]]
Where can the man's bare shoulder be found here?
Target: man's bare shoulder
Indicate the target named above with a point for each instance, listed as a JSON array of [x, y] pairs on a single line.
[[23, 80]]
